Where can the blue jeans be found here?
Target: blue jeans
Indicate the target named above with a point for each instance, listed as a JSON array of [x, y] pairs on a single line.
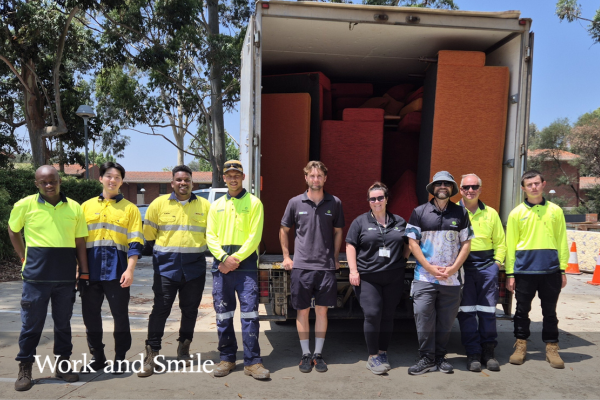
[[225, 286], [477, 312], [34, 307]]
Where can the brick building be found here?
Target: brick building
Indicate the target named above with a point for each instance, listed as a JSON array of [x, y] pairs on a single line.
[[78, 171], [556, 167], [155, 184]]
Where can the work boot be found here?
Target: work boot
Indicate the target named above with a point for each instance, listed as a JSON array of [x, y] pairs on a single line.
[[183, 352], [66, 374], [474, 362], [149, 363], [257, 371], [488, 359], [24, 381], [518, 357], [223, 368], [97, 363], [553, 357]]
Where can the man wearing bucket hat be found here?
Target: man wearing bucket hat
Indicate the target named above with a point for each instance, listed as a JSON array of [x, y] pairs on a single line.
[[439, 234]]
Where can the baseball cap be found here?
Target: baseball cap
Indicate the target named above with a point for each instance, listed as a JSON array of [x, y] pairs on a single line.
[[233, 165]]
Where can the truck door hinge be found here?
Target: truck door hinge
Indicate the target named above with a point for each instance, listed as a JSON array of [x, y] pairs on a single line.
[[510, 163], [257, 39], [255, 141], [514, 99], [527, 53]]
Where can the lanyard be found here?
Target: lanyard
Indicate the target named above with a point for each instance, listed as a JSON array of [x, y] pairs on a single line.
[[379, 226]]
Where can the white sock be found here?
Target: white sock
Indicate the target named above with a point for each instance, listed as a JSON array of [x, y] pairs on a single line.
[[319, 342], [305, 347]]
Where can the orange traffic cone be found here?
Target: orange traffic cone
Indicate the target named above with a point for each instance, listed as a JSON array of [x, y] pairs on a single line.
[[596, 278], [573, 265]]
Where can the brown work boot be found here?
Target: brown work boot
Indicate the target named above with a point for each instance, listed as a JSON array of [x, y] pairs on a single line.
[[518, 357], [257, 371], [183, 352], [24, 381], [149, 363], [553, 357], [223, 368], [64, 371]]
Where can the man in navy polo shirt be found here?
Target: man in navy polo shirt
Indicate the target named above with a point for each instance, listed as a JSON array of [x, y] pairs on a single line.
[[439, 234], [319, 219]]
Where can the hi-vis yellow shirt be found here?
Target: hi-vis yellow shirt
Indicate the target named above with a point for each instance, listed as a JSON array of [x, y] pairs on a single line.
[[179, 232], [114, 235], [536, 239], [235, 226], [488, 245]]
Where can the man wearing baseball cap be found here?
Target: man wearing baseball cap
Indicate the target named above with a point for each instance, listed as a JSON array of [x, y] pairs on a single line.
[[234, 231], [439, 234]]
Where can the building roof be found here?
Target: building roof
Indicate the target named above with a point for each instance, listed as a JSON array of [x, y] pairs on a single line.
[[74, 169], [588, 182], [162, 177], [562, 155]]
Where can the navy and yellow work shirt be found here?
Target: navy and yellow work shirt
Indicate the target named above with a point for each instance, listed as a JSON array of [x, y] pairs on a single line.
[[314, 247], [440, 235], [50, 233], [179, 236], [235, 226], [536, 239], [488, 246], [368, 236], [114, 234]]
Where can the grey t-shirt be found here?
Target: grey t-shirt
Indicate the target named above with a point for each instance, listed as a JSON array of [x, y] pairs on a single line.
[[314, 247]]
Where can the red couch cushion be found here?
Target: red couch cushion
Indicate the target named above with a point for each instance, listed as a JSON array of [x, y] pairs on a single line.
[[410, 123], [351, 90], [351, 151], [403, 196], [417, 94], [399, 92], [364, 114]]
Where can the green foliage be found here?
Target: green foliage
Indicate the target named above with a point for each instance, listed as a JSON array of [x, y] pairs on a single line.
[[592, 205], [80, 190], [444, 4], [554, 136], [588, 118], [571, 11], [200, 146], [6, 249]]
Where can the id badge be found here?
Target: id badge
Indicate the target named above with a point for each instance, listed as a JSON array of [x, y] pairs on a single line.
[[384, 252]]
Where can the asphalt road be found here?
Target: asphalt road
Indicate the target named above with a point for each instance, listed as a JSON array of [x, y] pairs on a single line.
[[345, 353]]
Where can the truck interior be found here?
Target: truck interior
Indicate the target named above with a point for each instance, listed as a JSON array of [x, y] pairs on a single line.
[[382, 102]]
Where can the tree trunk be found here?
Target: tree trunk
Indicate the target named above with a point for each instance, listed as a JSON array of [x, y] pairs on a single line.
[[34, 116], [216, 102], [179, 138]]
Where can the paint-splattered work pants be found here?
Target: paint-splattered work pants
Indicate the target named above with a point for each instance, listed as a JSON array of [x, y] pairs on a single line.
[[225, 286]]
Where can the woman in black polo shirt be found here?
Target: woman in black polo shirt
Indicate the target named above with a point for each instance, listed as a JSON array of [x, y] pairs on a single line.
[[377, 258]]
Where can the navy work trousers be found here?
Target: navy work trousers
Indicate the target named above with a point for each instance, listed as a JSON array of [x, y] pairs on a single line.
[[225, 287], [479, 298], [165, 291], [34, 307], [92, 297]]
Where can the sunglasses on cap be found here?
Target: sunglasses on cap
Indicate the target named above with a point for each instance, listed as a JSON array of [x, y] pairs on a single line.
[[443, 183], [467, 187], [233, 165], [378, 198]]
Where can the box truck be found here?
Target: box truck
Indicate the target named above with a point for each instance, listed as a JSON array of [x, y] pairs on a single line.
[[379, 93]]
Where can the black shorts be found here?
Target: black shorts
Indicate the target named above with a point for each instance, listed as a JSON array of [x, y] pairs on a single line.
[[306, 284]]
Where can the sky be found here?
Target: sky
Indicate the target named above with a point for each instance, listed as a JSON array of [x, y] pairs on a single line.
[[565, 82]]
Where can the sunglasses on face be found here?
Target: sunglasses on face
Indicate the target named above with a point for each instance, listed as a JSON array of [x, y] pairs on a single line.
[[467, 187], [442, 183], [378, 198]]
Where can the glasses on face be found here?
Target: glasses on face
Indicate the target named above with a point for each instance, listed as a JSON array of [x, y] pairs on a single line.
[[442, 183], [469, 187], [233, 165], [375, 199]]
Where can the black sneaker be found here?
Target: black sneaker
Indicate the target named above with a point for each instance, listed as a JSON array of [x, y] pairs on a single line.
[[319, 363], [474, 362], [424, 364], [306, 363], [443, 365]]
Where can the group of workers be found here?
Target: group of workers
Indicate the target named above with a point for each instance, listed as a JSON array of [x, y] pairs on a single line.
[[458, 248]]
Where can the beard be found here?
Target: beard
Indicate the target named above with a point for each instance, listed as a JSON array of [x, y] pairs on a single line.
[[442, 195]]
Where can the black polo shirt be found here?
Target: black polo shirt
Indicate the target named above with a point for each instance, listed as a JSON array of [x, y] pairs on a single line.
[[314, 247], [367, 237]]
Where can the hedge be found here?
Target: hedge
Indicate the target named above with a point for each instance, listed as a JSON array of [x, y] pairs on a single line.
[[18, 183]]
